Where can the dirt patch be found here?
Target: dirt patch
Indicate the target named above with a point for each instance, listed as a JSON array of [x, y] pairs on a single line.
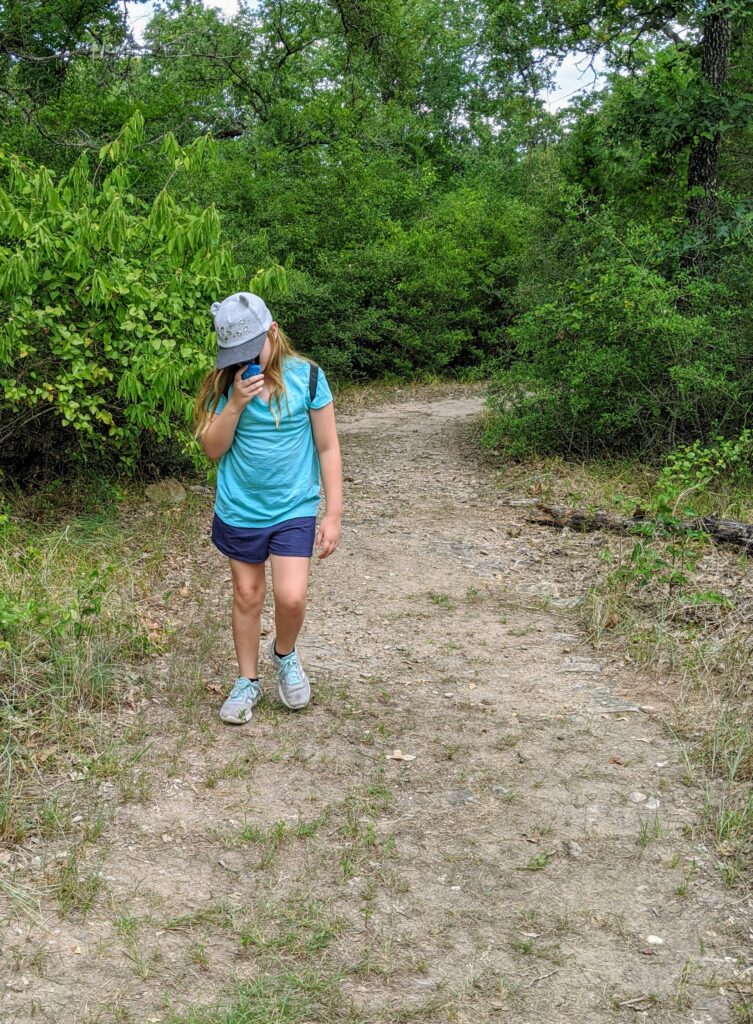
[[523, 865]]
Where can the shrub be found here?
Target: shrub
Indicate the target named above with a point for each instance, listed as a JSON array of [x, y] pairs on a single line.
[[624, 357], [105, 328]]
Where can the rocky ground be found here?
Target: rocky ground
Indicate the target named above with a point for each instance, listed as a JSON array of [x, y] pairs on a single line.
[[479, 818]]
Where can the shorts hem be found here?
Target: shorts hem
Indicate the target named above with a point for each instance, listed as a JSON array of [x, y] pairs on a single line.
[[236, 543], [246, 561]]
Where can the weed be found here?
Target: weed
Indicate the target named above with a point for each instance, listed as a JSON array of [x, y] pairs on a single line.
[[649, 830], [197, 954], [126, 926], [143, 967], [300, 927], [537, 863], [221, 915], [75, 888], [563, 923], [528, 947]]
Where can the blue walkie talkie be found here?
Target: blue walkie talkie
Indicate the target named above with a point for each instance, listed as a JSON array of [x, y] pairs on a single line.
[[251, 371]]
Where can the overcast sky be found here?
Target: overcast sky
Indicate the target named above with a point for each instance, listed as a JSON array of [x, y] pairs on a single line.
[[571, 78]]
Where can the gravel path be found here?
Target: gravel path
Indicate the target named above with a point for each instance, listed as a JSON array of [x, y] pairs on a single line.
[[479, 818]]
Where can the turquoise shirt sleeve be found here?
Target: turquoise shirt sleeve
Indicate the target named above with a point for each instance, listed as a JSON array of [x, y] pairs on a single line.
[[323, 394], [220, 405]]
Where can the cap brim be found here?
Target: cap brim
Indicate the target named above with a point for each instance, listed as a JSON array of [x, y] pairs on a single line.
[[246, 352]]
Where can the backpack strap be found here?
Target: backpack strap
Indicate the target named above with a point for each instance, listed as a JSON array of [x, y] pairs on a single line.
[[313, 380]]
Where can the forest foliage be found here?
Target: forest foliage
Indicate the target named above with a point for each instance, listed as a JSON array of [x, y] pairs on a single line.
[[431, 215]]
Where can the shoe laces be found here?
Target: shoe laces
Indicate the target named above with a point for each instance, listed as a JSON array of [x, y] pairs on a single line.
[[244, 689], [290, 671]]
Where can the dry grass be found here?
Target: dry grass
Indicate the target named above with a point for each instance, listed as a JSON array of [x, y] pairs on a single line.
[[76, 630], [699, 635]]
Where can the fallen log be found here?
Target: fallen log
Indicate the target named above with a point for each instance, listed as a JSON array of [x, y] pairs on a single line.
[[724, 531]]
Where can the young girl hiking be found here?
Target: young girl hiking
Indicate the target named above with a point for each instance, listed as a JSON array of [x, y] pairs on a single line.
[[273, 433]]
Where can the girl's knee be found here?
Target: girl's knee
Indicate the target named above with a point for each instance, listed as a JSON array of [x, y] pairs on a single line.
[[248, 598], [290, 602]]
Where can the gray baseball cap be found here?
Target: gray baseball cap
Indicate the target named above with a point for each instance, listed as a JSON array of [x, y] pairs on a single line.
[[241, 322]]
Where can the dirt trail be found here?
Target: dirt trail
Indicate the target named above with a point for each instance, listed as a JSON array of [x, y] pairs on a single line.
[[501, 874]]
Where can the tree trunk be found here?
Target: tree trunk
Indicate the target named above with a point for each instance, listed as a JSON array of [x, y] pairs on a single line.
[[727, 531], [704, 156]]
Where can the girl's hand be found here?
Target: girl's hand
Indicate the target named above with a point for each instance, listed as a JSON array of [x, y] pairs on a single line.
[[328, 535], [244, 390]]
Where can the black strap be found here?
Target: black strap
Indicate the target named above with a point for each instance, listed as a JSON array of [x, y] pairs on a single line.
[[313, 380]]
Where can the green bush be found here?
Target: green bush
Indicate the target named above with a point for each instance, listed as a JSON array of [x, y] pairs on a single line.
[[623, 357], [429, 298], [105, 328]]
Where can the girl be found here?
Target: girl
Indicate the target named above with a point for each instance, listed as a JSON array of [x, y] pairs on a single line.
[[273, 433]]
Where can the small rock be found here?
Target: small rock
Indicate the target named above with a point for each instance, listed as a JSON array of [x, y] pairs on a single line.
[[572, 849], [18, 984], [458, 797], [565, 602], [636, 797], [500, 790], [653, 803], [592, 813], [575, 664], [608, 704], [544, 588], [654, 940], [167, 492]]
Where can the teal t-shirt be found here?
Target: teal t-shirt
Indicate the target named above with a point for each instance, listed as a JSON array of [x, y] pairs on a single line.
[[270, 473]]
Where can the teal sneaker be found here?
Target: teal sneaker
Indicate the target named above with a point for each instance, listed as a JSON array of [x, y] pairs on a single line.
[[243, 698], [292, 684]]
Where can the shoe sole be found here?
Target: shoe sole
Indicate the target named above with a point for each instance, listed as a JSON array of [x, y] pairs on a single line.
[[236, 721]]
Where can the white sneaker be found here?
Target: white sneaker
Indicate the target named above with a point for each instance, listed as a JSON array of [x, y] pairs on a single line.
[[243, 698], [292, 684]]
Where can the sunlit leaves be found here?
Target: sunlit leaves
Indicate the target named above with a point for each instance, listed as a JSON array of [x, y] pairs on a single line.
[[101, 290]]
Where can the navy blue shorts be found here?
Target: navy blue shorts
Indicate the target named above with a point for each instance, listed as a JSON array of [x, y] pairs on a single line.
[[254, 544]]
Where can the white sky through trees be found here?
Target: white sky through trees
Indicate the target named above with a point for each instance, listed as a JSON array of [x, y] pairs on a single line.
[[574, 75]]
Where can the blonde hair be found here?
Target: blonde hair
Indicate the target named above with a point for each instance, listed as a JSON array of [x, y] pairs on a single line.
[[217, 382]]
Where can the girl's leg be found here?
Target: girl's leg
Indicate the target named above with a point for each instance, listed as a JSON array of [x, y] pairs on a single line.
[[249, 587], [290, 579]]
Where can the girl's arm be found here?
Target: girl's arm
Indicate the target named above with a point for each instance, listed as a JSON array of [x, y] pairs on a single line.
[[328, 447], [220, 433]]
